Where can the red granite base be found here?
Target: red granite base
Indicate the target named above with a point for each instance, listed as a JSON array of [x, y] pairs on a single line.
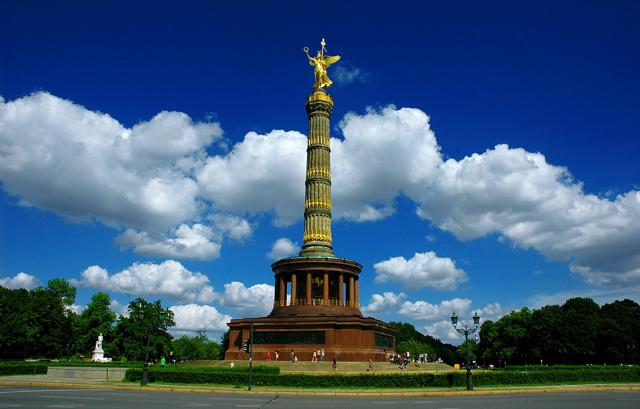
[[343, 338]]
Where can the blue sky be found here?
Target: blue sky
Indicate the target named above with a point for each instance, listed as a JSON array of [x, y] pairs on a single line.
[[485, 154]]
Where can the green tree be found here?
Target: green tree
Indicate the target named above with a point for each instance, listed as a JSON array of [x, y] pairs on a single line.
[[51, 334], [17, 332], [619, 332], [145, 320], [490, 344], [547, 335], [513, 331], [97, 318], [580, 325], [34, 323], [61, 288], [473, 349], [415, 348], [224, 344], [407, 332], [197, 347]]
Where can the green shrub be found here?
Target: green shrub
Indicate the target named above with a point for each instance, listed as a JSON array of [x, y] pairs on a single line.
[[22, 368]]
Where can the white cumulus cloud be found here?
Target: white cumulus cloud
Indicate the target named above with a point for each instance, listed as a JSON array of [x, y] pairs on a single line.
[[425, 311], [444, 331], [194, 242], [421, 271], [152, 179], [283, 247], [195, 317], [383, 302], [265, 173], [492, 312], [119, 308], [537, 205], [262, 173], [365, 166], [236, 228], [20, 280], [122, 176], [257, 299], [85, 165], [169, 278], [347, 75]]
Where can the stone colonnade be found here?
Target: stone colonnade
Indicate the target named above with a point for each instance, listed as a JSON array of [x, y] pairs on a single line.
[[312, 288]]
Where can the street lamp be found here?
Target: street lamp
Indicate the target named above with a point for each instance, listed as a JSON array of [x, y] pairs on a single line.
[[467, 331], [145, 369]]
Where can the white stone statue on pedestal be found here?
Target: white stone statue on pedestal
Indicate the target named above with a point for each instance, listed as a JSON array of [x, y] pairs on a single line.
[[98, 352]]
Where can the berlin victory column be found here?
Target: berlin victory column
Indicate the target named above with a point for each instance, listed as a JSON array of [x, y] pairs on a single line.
[[316, 304]]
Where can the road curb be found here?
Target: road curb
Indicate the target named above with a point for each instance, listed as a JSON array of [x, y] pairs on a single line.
[[355, 393]]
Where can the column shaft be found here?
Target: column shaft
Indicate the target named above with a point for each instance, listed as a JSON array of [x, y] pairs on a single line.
[[282, 299], [341, 290], [317, 216], [309, 289], [325, 292], [294, 284], [351, 291], [357, 300]]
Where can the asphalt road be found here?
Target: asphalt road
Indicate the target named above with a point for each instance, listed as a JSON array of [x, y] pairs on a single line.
[[37, 397]]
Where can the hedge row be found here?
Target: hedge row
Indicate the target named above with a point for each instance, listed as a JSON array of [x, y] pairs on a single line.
[[257, 369], [562, 367], [23, 368], [390, 380]]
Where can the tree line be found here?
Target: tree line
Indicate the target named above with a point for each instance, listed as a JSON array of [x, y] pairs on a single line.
[[577, 332], [41, 324]]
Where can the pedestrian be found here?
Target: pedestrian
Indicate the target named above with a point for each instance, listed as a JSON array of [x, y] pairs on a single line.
[[277, 356], [370, 368], [292, 355], [334, 366], [268, 356], [322, 355], [314, 357]]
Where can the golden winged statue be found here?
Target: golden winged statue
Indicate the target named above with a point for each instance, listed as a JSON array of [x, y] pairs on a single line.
[[320, 64]]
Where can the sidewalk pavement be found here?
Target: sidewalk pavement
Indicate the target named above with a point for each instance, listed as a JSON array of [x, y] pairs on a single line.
[[44, 381]]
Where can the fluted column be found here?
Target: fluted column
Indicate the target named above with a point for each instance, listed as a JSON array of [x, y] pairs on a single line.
[[325, 289], [357, 297], [308, 288], [341, 290], [317, 240], [351, 292], [294, 284], [282, 299]]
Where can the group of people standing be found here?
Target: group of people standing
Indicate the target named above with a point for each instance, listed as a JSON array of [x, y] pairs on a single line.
[[318, 355], [268, 356]]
